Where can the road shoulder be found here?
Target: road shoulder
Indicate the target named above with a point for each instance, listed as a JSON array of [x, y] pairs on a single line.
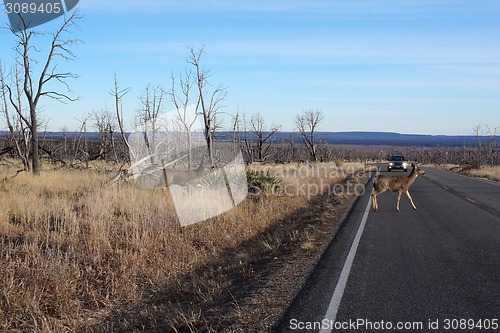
[[312, 302]]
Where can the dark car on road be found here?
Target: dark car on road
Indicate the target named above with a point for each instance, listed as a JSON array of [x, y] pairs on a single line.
[[397, 162]]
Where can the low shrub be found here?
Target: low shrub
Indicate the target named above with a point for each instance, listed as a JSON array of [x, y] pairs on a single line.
[[263, 182]]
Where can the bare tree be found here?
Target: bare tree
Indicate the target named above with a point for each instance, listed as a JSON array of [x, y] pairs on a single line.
[[237, 131], [492, 151], [151, 107], [118, 94], [34, 85], [13, 133], [78, 143], [263, 137], [151, 104], [105, 124], [207, 106], [290, 150], [307, 124], [478, 134], [209, 102], [181, 103], [247, 140], [18, 136]]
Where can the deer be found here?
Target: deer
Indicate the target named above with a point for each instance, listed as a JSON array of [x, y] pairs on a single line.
[[395, 183]]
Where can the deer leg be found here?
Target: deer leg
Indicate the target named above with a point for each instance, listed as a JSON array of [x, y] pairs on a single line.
[[374, 201], [407, 192], [399, 198]]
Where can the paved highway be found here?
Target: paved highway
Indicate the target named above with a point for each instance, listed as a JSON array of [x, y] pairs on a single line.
[[434, 269]]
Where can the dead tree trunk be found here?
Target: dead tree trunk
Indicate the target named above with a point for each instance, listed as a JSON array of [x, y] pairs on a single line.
[[34, 88]]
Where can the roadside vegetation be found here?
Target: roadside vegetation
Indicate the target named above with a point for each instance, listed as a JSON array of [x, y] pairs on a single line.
[[78, 256], [488, 172], [481, 171]]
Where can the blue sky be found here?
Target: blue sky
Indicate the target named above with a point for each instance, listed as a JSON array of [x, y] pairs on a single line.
[[416, 66]]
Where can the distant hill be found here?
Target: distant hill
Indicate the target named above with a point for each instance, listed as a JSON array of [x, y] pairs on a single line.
[[91, 136], [385, 139], [397, 139], [346, 138]]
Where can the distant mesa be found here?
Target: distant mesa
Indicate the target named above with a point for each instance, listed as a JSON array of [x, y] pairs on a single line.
[[343, 138], [384, 139]]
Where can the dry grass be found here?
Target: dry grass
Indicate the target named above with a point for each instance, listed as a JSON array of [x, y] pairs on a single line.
[[74, 254], [487, 172]]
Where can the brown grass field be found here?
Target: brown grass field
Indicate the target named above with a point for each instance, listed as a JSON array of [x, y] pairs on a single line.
[[78, 256], [486, 172]]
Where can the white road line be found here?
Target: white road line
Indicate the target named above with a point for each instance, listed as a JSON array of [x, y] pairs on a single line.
[[333, 307]]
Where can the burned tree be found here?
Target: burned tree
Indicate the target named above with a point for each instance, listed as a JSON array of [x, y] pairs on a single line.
[[263, 138], [209, 102], [149, 154], [307, 124], [33, 85], [151, 107], [185, 119], [151, 104], [19, 136], [118, 95], [105, 124]]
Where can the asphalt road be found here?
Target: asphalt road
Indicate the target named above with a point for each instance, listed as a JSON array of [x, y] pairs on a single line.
[[434, 269]]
